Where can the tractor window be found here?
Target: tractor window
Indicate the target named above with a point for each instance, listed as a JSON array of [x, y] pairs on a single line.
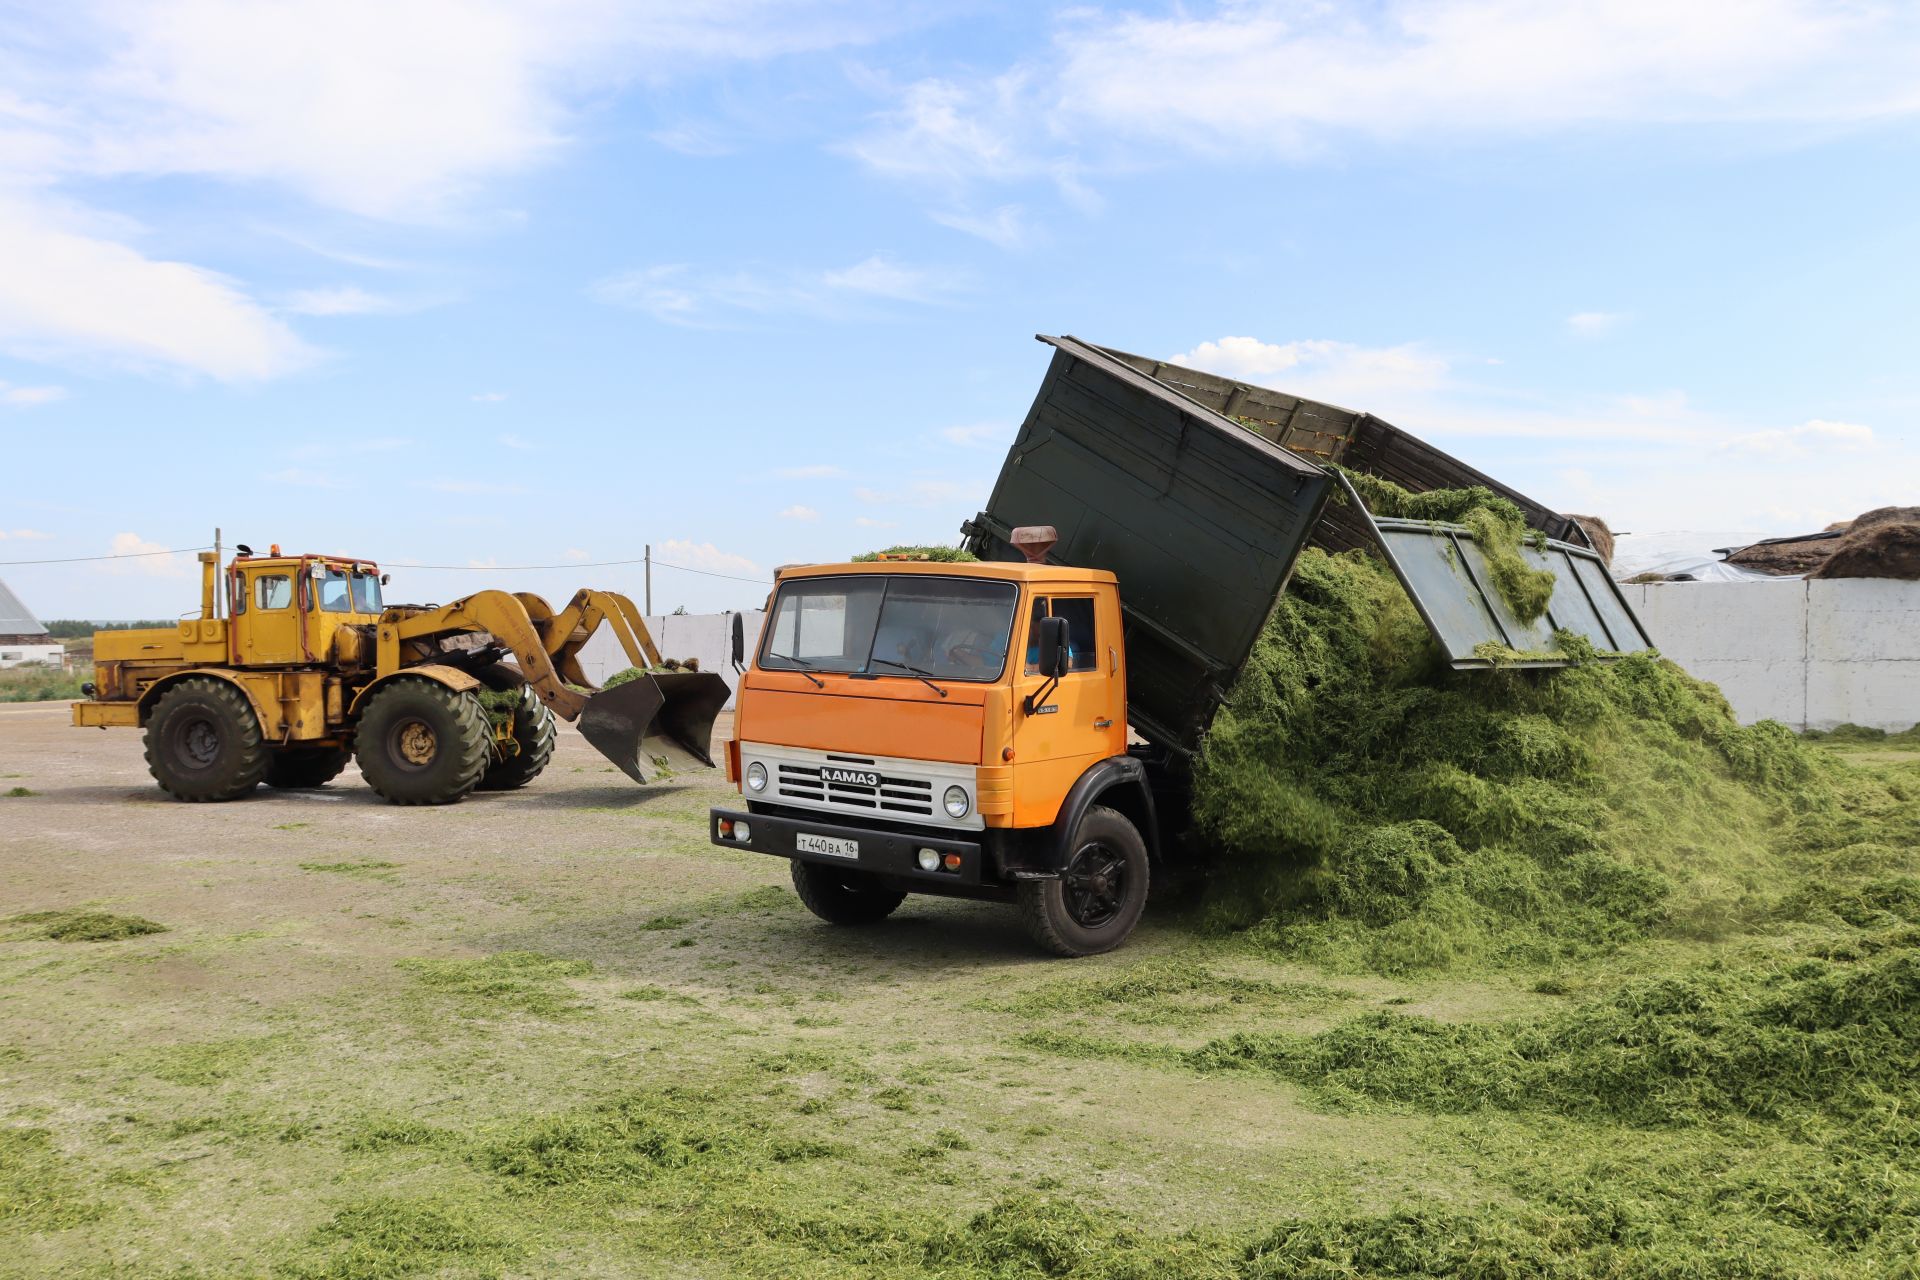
[[366, 593], [335, 597], [273, 590]]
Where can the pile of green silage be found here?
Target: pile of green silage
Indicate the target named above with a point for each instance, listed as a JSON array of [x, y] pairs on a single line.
[[1373, 809]]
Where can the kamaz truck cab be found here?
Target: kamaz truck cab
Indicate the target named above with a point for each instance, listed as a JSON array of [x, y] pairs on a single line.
[[959, 729]]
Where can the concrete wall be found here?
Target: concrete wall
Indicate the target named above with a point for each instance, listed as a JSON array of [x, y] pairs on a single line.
[[13, 655], [1813, 654], [706, 636]]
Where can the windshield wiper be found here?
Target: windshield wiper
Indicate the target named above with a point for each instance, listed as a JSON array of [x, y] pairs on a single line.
[[917, 673], [805, 667]]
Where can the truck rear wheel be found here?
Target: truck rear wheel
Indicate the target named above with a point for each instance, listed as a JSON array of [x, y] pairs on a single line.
[[204, 743], [534, 733], [304, 768], [1101, 891], [839, 896], [420, 742]]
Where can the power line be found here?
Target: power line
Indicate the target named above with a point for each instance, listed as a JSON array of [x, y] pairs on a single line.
[[129, 555], [455, 568], [574, 564]]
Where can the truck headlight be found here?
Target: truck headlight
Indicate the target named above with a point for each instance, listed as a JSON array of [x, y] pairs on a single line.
[[957, 802], [757, 776]]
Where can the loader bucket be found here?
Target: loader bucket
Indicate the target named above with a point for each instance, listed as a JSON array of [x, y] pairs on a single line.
[[656, 725]]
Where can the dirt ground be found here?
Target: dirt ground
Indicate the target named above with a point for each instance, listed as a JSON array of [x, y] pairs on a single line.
[[199, 1100]]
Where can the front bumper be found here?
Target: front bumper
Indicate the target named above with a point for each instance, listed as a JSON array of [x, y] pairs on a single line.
[[884, 853]]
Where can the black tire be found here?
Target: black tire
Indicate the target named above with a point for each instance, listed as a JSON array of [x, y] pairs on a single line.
[[534, 732], [419, 742], [304, 768], [839, 896], [1099, 896], [204, 742]]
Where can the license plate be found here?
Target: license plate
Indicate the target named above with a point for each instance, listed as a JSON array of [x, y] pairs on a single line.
[[808, 843]]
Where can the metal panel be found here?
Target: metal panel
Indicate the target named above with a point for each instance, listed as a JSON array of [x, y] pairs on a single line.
[[1446, 574], [1199, 518]]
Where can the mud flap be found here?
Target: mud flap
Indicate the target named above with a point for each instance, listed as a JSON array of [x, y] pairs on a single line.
[[657, 725]]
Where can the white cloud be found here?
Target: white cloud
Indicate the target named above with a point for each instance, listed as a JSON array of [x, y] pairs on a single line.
[[798, 512], [321, 451], [575, 553], [705, 556], [1337, 372], [977, 434], [70, 296], [487, 397], [144, 558], [1291, 80], [511, 441], [29, 397], [26, 535], [1594, 324], [921, 493], [677, 293], [868, 522], [343, 300], [812, 471], [882, 277], [1007, 227], [1814, 434]]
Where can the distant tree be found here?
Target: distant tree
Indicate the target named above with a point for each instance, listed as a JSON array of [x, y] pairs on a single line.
[[679, 610], [76, 628], [945, 555]]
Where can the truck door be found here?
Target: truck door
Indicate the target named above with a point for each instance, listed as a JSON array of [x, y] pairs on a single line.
[[269, 628], [1080, 722]]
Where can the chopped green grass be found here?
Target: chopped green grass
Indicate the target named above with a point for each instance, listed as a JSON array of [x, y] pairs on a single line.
[[372, 868], [508, 982], [20, 793], [83, 926]]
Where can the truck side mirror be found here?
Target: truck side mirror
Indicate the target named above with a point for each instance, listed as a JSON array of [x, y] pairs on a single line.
[[1050, 635], [739, 641]]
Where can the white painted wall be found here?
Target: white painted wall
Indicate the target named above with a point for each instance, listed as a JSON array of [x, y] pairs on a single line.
[[706, 636], [1812, 654], [14, 655]]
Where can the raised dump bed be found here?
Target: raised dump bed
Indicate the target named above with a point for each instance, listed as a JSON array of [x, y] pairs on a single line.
[[1201, 519], [1358, 441]]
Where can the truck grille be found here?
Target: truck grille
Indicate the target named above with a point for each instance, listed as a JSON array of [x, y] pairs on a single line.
[[893, 795]]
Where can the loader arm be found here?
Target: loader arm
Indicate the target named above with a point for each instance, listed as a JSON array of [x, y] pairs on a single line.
[[504, 616], [640, 725]]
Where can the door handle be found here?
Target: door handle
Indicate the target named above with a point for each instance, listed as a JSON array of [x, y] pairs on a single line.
[[1103, 724]]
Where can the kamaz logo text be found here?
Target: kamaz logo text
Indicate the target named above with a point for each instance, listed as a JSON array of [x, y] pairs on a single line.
[[855, 776]]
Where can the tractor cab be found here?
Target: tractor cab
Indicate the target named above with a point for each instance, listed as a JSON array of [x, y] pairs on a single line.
[[291, 610]]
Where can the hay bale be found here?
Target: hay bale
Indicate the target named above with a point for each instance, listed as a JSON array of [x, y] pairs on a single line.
[[1883, 549], [1789, 555], [1884, 515], [1598, 534]]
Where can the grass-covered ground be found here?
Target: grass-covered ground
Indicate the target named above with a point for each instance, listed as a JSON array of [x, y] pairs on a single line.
[[1631, 1003]]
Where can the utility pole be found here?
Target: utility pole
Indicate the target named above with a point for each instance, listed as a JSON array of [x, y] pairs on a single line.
[[649, 609]]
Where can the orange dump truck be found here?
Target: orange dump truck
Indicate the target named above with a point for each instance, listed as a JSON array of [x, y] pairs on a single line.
[[962, 729]]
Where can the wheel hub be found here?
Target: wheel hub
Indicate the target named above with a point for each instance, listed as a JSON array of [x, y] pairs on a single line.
[[1095, 884], [197, 743], [416, 743]]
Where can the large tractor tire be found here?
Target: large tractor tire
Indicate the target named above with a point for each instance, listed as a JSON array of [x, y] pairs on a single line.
[[204, 742], [843, 897], [534, 732], [420, 742], [1100, 894], [304, 768]]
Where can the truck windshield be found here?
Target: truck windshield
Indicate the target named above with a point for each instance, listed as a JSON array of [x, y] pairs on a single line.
[[878, 624], [366, 592]]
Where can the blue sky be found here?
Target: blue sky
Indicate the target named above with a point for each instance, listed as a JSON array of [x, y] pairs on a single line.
[[493, 284]]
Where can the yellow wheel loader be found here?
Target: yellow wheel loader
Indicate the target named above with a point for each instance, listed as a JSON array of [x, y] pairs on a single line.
[[308, 668]]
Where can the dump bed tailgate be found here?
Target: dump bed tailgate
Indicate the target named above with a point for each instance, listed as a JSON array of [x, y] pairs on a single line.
[[1199, 518]]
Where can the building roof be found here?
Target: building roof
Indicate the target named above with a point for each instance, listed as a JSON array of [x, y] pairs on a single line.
[[15, 618]]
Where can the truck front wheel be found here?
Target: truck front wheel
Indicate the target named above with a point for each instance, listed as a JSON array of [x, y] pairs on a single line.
[[203, 741], [420, 742], [1101, 891], [843, 897]]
